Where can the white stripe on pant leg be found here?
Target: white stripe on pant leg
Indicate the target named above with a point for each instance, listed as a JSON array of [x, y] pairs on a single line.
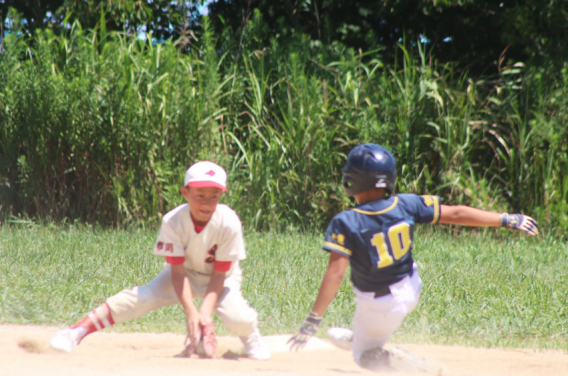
[[105, 321], [102, 312], [95, 320]]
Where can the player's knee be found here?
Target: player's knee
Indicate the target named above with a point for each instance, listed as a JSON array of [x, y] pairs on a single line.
[[241, 322], [376, 359], [123, 303]]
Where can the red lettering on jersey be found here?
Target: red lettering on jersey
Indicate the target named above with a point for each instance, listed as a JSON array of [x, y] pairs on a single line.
[[159, 246], [211, 252], [169, 247], [210, 173]]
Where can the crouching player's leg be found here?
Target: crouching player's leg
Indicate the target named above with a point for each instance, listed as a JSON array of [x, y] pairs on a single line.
[[126, 305], [240, 318]]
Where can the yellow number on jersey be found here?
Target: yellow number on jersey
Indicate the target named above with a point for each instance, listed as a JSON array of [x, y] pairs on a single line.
[[399, 238], [385, 259]]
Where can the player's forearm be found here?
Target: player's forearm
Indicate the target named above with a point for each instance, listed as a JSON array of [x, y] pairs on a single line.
[[328, 289], [468, 216], [214, 290], [330, 283], [180, 281]]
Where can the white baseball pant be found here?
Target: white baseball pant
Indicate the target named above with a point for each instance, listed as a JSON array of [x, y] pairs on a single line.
[[376, 319], [235, 312]]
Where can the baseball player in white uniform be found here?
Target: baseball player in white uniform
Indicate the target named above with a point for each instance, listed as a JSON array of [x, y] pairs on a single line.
[[202, 243]]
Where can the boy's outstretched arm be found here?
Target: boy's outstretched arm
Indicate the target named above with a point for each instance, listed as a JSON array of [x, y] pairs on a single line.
[[328, 289], [468, 216]]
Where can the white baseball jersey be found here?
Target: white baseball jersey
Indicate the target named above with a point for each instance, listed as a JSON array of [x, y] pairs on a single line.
[[221, 239]]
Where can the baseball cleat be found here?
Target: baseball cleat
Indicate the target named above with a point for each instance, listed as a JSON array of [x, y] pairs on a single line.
[[341, 337], [255, 347], [209, 341], [64, 340], [376, 359]]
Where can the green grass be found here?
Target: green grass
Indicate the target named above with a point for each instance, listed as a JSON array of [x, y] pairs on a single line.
[[486, 288]]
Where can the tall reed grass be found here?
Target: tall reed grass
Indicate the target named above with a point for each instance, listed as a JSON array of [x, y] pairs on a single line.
[[100, 127]]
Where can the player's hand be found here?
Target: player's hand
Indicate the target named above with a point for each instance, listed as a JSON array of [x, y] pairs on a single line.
[[192, 339], [520, 222], [200, 329], [193, 329], [188, 350], [208, 340], [307, 331]]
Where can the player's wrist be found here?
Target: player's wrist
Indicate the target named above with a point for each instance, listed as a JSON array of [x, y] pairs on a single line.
[[313, 321], [191, 312], [504, 219], [315, 316]]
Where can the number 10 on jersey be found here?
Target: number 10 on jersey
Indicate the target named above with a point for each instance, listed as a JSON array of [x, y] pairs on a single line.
[[399, 240]]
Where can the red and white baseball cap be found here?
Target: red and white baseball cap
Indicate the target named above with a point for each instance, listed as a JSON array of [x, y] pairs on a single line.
[[206, 174]]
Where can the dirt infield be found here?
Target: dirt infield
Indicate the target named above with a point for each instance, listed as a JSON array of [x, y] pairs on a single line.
[[24, 350]]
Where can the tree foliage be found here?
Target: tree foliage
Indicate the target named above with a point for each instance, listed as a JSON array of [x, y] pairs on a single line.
[[157, 17], [477, 34]]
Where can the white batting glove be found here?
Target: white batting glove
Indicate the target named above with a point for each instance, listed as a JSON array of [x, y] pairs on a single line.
[[520, 222]]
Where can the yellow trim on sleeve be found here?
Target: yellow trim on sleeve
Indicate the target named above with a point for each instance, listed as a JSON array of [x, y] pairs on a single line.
[[395, 202], [436, 209], [337, 247]]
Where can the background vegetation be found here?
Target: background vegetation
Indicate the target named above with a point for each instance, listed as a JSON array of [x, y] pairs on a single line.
[[98, 122], [104, 104], [494, 288]]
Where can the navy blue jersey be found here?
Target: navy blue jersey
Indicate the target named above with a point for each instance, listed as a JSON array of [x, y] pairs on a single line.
[[377, 237]]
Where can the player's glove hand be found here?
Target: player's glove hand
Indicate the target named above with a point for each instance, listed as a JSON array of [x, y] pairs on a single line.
[[194, 335], [189, 349], [520, 222], [307, 331], [205, 347], [208, 340]]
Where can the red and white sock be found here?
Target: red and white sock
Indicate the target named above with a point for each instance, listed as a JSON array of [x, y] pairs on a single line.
[[99, 319]]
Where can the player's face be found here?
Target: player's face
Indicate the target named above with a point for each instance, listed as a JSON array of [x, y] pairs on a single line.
[[370, 195], [202, 202]]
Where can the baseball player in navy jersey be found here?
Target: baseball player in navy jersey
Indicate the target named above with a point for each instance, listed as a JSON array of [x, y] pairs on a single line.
[[202, 244], [375, 238]]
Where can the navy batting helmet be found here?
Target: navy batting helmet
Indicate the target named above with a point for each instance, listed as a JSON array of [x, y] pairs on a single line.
[[369, 166]]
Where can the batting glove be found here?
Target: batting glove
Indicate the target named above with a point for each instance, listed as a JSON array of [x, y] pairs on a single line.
[[307, 331], [520, 222]]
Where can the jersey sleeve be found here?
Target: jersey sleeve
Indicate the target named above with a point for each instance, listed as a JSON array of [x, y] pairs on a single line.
[[168, 243], [427, 209], [337, 238], [232, 245]]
